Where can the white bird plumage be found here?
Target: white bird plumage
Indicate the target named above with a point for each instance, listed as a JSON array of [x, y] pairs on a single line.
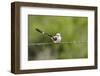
[[56, 38]]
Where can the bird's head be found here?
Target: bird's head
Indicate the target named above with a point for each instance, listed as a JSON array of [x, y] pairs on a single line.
[[58, 34]]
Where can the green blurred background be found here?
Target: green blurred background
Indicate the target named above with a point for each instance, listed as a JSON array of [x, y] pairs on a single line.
[[74, 33]]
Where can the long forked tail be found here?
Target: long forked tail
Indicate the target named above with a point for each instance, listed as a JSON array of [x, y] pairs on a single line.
[[43, 32], [39, 30]]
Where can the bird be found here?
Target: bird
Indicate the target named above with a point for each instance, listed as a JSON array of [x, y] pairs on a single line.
[[56, 38]]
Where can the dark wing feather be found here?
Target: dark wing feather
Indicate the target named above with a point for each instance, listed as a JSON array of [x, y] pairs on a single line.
[[54, 38]]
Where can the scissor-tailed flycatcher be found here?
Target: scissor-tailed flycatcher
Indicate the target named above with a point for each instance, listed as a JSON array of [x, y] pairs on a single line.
[[55, 39]]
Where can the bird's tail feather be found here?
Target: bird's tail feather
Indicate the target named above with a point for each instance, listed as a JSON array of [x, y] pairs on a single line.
[[38, 30], [48, 35], [43, 32]]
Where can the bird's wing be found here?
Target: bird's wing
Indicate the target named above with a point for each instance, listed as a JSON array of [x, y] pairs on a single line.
[[54, 38]]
